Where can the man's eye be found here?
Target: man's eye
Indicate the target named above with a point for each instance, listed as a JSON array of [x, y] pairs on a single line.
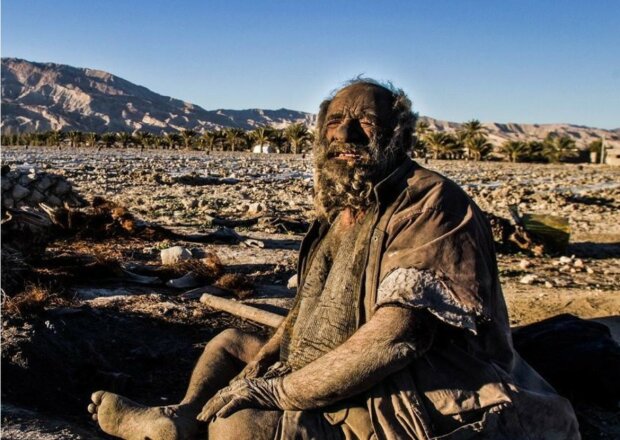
[[333, 122], [367, 122]]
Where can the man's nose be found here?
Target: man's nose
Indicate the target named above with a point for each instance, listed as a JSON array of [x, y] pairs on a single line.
[[350, 131]]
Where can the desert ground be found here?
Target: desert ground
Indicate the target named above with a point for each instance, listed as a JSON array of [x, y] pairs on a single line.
[[142, 340]]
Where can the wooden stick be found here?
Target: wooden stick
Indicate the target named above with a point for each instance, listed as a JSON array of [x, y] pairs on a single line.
[[242, 310]]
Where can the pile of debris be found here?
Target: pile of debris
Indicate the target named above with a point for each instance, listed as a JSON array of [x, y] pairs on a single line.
[[26, 187]]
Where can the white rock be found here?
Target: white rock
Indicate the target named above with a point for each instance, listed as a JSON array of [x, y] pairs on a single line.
[[528, 279], [578, 263], [174, 254], [524, 264], [548, 284], [565, 260], [589, 270], [292, 282], [256, 208]]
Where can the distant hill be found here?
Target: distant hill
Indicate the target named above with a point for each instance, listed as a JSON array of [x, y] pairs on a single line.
[[48, 96]]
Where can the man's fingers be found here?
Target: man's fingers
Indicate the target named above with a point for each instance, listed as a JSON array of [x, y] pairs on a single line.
[[232, 407], [211, 408]]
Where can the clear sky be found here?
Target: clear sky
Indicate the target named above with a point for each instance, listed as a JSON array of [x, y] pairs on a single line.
[[529, 61]]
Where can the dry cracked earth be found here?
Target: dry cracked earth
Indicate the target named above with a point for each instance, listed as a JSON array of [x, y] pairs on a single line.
[[143, 340]]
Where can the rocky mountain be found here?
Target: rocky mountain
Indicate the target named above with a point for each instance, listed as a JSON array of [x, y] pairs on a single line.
[[498, 133], [47, 96]]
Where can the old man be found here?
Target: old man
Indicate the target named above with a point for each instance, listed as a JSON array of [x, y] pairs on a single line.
[[399, 328]]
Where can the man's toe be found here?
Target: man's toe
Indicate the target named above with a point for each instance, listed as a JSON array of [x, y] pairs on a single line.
[[92, 408], [97, 397]]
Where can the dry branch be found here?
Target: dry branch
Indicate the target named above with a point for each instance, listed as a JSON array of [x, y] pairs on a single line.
[[242, 310]]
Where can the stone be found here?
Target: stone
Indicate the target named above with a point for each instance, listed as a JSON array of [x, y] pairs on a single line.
[[36, 197], [548, 284], [44, 183], [8, 202], [589, 270], [25, 179], [578, 263], [524, 264], [53, 200], [19, 192], [255, 208], [62, 188], [190, 203], [6, 183], [528, 279], [292, 282], [565, 260], [174, 254]]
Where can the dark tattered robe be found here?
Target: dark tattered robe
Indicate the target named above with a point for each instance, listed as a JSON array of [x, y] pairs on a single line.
[[426, 246]]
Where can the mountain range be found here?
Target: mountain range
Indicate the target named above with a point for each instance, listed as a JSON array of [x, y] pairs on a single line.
[[48, 96]]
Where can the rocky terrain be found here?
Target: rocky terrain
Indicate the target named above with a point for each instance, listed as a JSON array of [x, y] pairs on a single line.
[[47, 96], [142, 340]]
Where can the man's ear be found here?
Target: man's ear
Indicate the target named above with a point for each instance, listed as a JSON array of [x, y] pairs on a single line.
[[320, 122]]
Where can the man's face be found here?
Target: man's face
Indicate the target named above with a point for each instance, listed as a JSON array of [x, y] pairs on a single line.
[[355, 121], [351, 153]]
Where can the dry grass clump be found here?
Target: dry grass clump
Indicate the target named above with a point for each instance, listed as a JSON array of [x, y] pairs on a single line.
[[31, 301], [208, 268], [237, 283]]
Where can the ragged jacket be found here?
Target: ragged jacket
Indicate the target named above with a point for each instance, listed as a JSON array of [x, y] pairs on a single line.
[[470, 383]]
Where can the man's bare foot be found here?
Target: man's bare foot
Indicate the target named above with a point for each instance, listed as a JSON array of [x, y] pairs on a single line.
[[126, 419]]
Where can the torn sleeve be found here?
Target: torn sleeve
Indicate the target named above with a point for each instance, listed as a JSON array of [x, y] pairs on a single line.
[[423, 290]]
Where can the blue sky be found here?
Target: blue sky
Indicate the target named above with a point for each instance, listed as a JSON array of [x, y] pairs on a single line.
[[505, 61]]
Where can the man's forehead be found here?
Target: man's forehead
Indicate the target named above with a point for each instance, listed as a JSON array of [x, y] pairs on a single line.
[[364, 96]]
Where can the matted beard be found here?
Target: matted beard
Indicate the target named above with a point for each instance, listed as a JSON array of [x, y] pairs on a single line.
[[339, 185]]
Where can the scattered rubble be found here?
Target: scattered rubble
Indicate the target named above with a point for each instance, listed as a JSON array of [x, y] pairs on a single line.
[[238, 220]]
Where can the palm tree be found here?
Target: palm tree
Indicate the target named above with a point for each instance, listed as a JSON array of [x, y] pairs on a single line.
[[125, 138], [109, 139], [91, 139], [158, 141], [535, 152], [419, 148], [277, 139], [235, 137], [76, 138], [260, 136], [515, 150], [441, 144], [210, 139], [188, 137], [171, 140], [558, 148], [55, 138], [298, 136], [478, 147], [143, 139], [472, 128]]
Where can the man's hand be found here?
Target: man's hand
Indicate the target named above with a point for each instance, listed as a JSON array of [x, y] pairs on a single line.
[[254, 369], [241, 394]]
